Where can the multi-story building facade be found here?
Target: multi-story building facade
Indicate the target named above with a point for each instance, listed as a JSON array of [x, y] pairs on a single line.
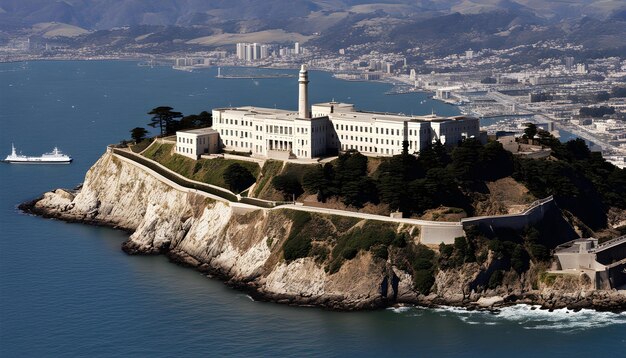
[[328, 128], [193, 143]]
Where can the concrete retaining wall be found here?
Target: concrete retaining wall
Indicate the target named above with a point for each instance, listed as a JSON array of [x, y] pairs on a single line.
[[531, 216], [435, 235]]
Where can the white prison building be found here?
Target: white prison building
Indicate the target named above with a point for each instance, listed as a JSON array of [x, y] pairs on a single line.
[[330, 127]]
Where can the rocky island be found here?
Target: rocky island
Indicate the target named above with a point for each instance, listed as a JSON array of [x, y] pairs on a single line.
[[308, 257]]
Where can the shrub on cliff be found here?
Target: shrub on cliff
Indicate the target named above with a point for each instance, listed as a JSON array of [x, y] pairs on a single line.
[[456, 255], [423, 280], [297, 244], [320, 180], [288, 184], [381, 252], [238, 178], [495, 279], [520, 259], [373, 236], [422, 262]]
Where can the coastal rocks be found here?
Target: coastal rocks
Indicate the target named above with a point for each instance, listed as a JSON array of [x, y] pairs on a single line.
[[302, 277], [486, 302]]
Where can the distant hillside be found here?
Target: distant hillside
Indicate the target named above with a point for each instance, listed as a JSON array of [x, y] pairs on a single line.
[[107, 14], [456, 32], [437, 27]]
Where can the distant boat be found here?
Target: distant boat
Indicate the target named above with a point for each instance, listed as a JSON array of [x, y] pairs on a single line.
[[54, 157]]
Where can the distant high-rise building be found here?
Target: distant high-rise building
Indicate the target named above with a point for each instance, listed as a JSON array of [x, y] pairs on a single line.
[[256, 51], [264, 51], [569, 63], [296, 48], [469, 54], [412, 74], [582, 68], [388, 67], [249, 53], [241, 51]]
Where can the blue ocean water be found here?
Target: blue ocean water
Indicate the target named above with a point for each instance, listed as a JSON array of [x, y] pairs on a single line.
[[68, 289]]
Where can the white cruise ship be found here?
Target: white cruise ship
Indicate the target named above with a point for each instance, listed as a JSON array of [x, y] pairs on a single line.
[[54, 157]]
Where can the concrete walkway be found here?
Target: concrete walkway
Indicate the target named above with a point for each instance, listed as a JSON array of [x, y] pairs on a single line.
[[355, 214]]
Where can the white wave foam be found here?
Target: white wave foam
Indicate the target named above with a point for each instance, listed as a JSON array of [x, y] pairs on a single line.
[[243, 295], [400, 309], [532, 317]]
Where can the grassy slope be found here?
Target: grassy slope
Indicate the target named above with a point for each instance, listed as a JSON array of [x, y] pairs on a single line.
[[136, 148], [209, 171], [270, 169]]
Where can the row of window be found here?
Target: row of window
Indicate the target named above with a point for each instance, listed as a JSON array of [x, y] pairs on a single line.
[[454, 129], [371, 140], [274, 129], [279, 130], [235, 143], [231, 132], [201, 140], [353, 128], [180, 149], [235, 122], [362, 148]]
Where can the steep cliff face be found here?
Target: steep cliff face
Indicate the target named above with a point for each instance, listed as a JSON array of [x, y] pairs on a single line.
[[243, 248], [246, 247]]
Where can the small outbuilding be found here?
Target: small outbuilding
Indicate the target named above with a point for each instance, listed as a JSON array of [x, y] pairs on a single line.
[[193, 143]]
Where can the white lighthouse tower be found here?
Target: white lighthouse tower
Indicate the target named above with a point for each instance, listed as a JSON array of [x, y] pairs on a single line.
[[303, 101]]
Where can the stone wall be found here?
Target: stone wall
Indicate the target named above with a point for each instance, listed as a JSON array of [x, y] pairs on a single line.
[[531, 216]]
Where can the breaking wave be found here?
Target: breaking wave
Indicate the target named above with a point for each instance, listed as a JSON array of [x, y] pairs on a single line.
[[528, 316]]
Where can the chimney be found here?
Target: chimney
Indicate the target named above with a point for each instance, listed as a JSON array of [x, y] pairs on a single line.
[[303, 100]]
